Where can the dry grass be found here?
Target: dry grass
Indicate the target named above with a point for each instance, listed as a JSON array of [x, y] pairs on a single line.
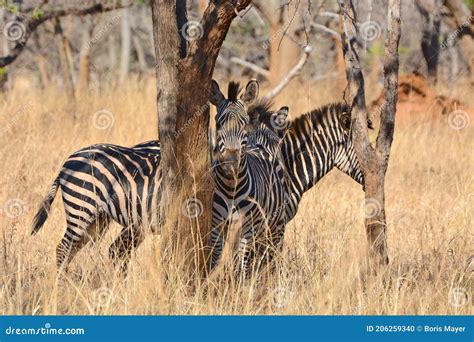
[[429, 207]]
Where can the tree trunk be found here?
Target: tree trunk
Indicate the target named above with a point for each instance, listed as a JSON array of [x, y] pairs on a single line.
[[184, 72], [85, 56], [41, 62], [430, 37], [126, 45], [465, 23], [112, 52], [61, 43], [373, 160], [167, 41]]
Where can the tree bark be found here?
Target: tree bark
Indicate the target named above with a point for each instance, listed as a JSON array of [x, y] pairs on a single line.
[[465, 24], [85, 57], [373, 160], [184, 73], [126, 36], [61, 42], [430, 37], [166, 41]]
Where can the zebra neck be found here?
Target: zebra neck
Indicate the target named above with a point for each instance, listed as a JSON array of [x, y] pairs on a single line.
[[307, 160]]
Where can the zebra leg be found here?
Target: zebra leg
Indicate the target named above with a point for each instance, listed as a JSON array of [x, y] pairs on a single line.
[[121, 249], [77, 236]]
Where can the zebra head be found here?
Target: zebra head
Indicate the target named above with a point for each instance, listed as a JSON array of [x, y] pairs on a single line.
[[345, 158], [267, 127], [232, 123]]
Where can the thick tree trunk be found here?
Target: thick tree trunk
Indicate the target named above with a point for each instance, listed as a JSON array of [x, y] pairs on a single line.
[[184, 73], [166, 41], [373, 160]]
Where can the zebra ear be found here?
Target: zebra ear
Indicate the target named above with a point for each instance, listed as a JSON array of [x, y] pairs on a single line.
[[345, 120], [279, 119], [251, 92], [216, 95], [283, 112]]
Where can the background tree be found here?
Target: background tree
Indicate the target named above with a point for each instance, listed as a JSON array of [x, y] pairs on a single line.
[[373, 159]]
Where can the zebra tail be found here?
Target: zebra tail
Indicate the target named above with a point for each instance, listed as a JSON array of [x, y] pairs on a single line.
[[42, 214]]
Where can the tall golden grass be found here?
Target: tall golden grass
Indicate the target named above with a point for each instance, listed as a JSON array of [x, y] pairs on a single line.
[[429, 207]]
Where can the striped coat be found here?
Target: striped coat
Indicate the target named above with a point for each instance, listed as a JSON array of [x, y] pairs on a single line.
[[105, 182]]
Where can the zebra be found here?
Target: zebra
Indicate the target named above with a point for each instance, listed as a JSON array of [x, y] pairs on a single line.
[[312, 145], [249, 195], [105, 182]]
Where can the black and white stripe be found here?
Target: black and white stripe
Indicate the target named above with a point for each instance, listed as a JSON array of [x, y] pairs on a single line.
[[313, 144], [249, 194], [105, 182]]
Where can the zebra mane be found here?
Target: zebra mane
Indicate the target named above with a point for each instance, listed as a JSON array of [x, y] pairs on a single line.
[[233, 91], [259, 112], [340, 110]]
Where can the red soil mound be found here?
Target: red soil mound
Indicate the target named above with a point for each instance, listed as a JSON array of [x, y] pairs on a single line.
[[416, 100]]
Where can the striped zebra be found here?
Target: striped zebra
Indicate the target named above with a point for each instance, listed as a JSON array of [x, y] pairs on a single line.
[[312, 145], [249, 194], [105, 182]]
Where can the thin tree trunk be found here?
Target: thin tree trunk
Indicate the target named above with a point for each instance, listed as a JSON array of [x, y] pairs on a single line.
[[112, 52], [465, 23], [373, 160], [430, 38], [137, 45], [85, 56], [126, 45], [41, 62], [61, 43]]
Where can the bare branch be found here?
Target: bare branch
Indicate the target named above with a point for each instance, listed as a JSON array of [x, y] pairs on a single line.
[[290, 75], [326, 29], [329, 14], [251, 66]]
